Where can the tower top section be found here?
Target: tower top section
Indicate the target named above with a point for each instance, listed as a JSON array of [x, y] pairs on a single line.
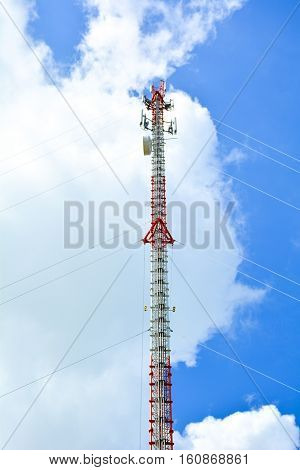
[[157, 105], [161, 90], [158, 94]]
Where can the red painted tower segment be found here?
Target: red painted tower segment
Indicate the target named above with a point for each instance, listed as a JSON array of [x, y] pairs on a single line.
[[159, 237]]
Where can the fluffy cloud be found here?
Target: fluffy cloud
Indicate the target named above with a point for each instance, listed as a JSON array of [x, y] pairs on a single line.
[[235, 156], [157, 36], [123, 50], [101, 81], [255, 429]]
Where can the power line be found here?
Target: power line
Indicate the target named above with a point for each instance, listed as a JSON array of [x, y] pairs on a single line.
[[87, 250], [269, 270], [50, 139], [258, 152], [242, 88], [44, 155], [232, 350], [269, 286], [67, 103], [248, 367], [260, 266], [282, 201], [52, 188], [70, 347], [58, 277], [100, 351], [63, 260], [256, 140], [286, 203], [117, 236]]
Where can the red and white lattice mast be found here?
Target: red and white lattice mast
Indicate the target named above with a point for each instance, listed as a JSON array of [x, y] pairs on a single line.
[[159, 237]]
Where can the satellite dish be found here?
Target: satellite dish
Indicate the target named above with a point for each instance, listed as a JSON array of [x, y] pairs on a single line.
[[147, 145]]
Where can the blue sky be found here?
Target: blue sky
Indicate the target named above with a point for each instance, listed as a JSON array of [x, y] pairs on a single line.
[[265, 335], [61, 25], [268, 109]]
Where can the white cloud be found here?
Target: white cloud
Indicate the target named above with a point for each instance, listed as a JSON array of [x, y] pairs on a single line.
[[235, 155], [117, 55], [255, 429], [115, 38]]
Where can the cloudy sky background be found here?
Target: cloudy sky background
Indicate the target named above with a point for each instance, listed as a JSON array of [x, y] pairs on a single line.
[[102, 55]]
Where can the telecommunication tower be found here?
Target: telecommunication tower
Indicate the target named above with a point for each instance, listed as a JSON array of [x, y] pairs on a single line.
[[159, 237]]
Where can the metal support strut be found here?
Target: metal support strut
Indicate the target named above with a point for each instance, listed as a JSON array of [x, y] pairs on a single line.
[[159, 237]]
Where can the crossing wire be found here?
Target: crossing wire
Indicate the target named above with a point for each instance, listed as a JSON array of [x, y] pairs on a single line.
[[100, 351], [50, 152], [248, 367], [256, 140], [269, 286], [228, 343], [59, 185], [248, 260], [269, 270], [71, 364], [58, 278], [67, 351], [57, 136], [49, 266], [282, 201], [242, 88], [67, 103], [257, 151]]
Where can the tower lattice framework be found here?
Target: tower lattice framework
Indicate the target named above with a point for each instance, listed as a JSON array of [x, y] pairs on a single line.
[[159, 237]]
